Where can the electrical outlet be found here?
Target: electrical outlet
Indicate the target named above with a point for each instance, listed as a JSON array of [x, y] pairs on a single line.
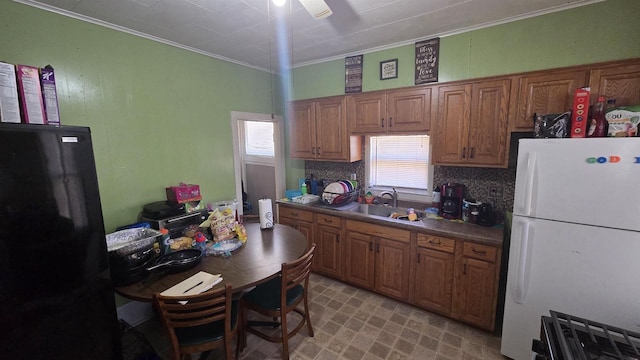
[[495, 192]]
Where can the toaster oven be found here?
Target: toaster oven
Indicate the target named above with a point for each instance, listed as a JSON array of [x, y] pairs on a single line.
[[178, 223]]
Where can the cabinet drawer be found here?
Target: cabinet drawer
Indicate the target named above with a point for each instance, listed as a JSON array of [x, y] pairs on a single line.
[[297, 214], [436, 243], [328, 220], [378, 230], [477, 251]]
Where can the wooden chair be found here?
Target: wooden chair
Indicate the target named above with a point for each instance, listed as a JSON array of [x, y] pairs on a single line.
[[207, 321], [278, 297]]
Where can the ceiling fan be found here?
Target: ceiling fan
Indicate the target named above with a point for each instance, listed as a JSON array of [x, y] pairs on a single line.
[[317, 8]]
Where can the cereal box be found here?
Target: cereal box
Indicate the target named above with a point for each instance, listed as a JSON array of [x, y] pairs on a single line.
[[30, 94], [579, 116], [50, 95], [9, 106]]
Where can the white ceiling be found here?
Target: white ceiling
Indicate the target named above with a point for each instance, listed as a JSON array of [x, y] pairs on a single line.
[[242, 32]]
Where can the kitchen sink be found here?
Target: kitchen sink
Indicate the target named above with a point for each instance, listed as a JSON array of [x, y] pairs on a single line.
[[385, 211]]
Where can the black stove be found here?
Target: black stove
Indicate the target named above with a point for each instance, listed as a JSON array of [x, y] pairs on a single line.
[[567, 337]]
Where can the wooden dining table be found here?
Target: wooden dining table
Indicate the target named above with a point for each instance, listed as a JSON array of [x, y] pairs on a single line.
[[257, 261]]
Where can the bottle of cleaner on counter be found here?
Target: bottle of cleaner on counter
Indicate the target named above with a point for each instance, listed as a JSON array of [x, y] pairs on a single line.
[[598, 126], [303, 188]]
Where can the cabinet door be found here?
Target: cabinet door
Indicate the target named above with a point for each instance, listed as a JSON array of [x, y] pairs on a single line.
[[328, 251], [366, 113], [548, 93], [302, 130], [478, 283], [434, 279], [409, 110], [616, 82], [359, 267], [332, 140], [488, 123], [307, 230], [392, 268], [451, 128]]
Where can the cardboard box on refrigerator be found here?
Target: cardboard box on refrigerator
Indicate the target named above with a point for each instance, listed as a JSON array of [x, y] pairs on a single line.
[[30, 92], [580, 114], [9, 104], [50, 95]]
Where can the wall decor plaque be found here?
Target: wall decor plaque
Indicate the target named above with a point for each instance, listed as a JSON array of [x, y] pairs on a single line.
[[427, 53], [353, 74], [388, 69]]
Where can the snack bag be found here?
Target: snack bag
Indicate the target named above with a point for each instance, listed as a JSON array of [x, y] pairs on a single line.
[[222, 224]]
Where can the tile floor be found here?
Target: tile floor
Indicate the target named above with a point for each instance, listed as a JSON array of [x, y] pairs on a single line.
[[351, 323]]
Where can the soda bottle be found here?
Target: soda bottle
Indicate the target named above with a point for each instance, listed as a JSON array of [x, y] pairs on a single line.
[[598, 126]]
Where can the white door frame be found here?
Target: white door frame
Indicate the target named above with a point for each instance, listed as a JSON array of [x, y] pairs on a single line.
[[278, 131]]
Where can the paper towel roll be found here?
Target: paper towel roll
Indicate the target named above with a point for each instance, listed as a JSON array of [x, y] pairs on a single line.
[[266, 213]]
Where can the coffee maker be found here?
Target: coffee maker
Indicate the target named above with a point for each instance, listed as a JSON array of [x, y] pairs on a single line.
[[451, 196]]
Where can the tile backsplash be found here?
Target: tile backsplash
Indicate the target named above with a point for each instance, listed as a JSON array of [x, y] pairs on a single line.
[[478, 181]]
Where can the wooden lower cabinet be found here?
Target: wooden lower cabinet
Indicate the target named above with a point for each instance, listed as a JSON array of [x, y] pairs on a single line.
[[300, 220], [392, 268], [359, 267], [475, 285], [454, 278], [378, 258], [328, 256], [434, 264]]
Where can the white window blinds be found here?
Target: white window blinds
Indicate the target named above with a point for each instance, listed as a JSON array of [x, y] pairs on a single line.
[[399, 161]]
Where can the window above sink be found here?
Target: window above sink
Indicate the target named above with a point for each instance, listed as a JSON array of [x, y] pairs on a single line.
[[400, 161]]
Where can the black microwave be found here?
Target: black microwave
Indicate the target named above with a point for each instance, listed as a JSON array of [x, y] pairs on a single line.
[[178, 223]]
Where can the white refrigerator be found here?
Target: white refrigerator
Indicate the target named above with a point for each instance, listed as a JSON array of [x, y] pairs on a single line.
[[575, 238]]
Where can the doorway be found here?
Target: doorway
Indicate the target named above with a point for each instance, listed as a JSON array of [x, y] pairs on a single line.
[[258, 158]]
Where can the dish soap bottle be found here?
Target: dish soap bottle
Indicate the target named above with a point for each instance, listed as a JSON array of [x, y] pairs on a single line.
[[599, 126]]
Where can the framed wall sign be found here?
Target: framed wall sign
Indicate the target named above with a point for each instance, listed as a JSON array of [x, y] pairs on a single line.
[[388, 69], [353, 74], [427, 53]]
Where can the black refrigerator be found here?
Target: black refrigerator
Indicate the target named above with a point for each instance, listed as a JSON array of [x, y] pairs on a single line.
[[56, 296]]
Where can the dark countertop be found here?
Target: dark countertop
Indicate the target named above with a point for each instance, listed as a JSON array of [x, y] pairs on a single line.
[[463, 231]]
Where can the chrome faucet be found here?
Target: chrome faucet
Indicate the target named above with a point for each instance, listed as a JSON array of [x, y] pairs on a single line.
[[393, 195]]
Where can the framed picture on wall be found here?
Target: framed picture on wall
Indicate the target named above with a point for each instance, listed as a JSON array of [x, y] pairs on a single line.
[[389, 69]]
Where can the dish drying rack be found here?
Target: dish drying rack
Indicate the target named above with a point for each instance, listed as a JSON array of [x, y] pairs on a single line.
[[335, 199]]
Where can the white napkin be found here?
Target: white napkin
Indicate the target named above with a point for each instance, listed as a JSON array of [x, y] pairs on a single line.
[[195, 284]]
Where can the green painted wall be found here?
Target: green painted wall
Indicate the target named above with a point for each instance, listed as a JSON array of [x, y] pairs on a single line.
[[158, 115], [599, 32]]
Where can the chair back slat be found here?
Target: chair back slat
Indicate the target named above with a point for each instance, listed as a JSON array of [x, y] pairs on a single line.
[[297, 272], [202, 309]]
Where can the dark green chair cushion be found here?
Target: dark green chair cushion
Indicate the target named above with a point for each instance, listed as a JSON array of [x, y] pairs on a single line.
[[201, 334], [267, 295]]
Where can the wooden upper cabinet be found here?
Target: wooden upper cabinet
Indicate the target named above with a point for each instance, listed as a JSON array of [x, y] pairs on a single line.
[[332, 140], [396, 111], [488, 123], [302, 130], [367, 112], [471, 125], [451, 128], [409, 110], [318, 131], [550, 92], [620, 82]]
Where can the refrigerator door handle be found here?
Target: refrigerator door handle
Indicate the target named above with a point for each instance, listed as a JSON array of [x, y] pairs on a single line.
[[527, 191], [522, 268]]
